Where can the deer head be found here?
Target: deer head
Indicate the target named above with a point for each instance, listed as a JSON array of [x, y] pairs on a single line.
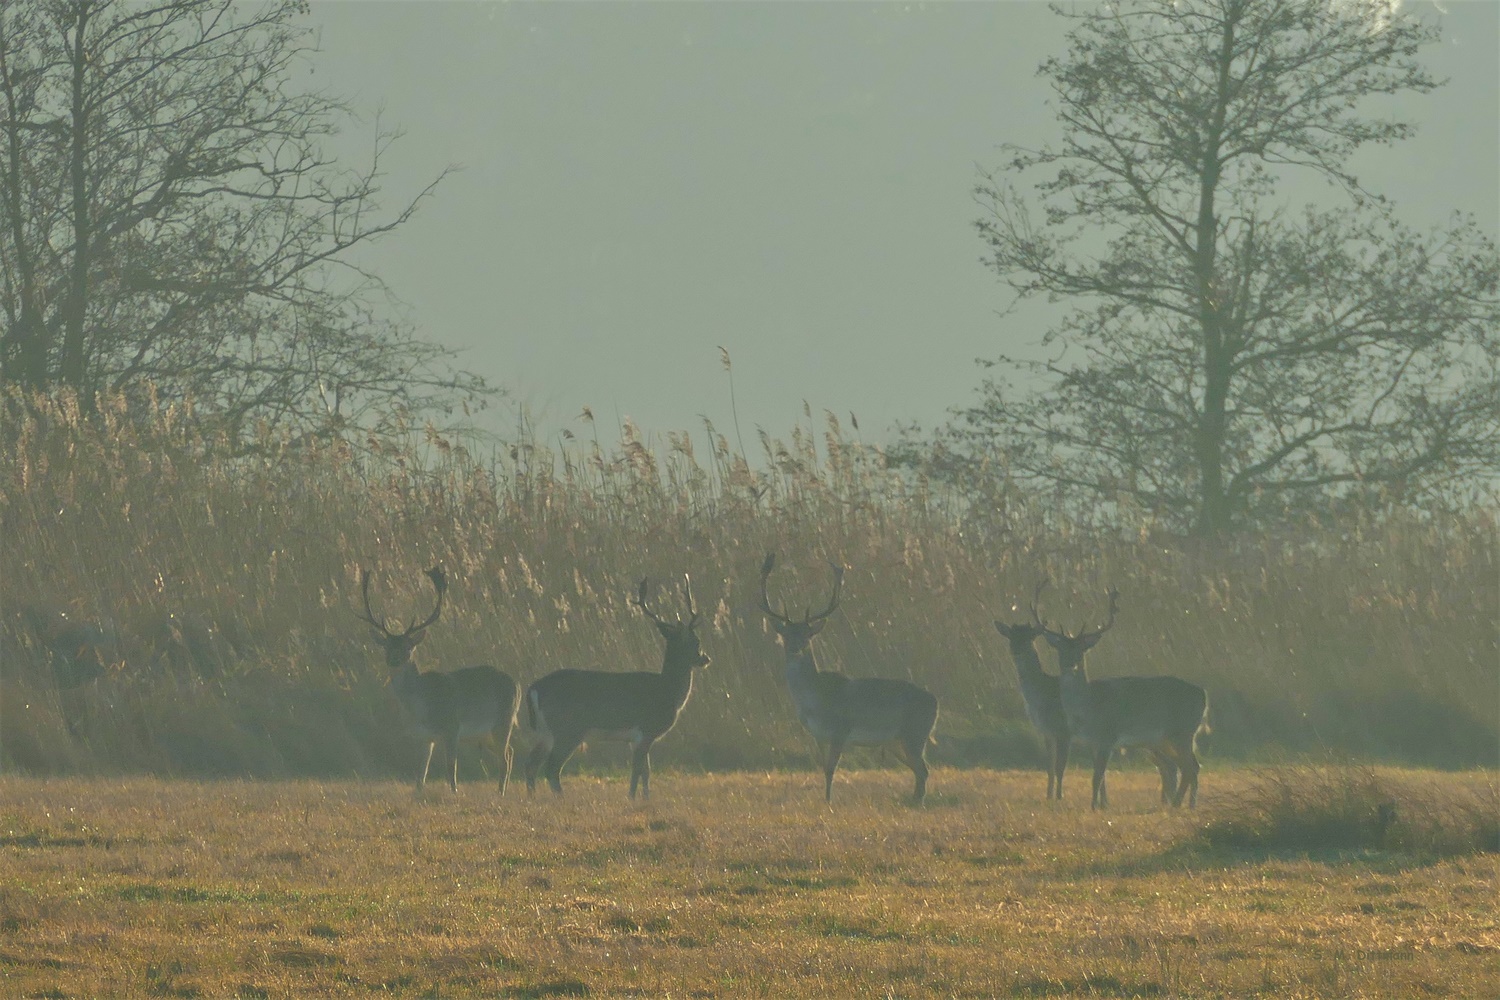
[[1071, 648], [682, 641], [398, 646], [1022, 633], [795, 635]]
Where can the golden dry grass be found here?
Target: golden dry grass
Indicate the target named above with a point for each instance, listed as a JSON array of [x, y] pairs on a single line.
[[722, 886], [228, 584]]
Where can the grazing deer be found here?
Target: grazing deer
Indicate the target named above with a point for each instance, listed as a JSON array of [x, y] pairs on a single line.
[[840, 711], [447, 707], [1162, 714], [568, 707], [1040, 693]]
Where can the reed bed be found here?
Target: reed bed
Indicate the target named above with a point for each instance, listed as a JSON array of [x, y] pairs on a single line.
[[219, 584]]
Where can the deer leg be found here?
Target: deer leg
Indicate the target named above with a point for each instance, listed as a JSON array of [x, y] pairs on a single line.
[[1166, 769], [1101, 794], [1059, 764], [534, 758], [640, 767], [835, 751], [426, 764], [451, 745], [507, 760], [1188, 785], [916, 759], [820, 752], [1051, 767], [559, 755]]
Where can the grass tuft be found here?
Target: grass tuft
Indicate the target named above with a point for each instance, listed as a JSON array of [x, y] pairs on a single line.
[[1348, 808]]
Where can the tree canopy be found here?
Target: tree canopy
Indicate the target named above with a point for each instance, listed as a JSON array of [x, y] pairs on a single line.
[[172, 222], [1230, 358]]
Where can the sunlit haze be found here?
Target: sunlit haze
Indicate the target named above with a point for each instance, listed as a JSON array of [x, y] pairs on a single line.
[[642, 184]]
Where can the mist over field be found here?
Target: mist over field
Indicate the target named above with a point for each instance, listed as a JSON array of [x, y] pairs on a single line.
[[385, 388]]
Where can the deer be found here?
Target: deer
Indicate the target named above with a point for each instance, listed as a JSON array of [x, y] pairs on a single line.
[[842, 711], [1164, 715], [468, 703], [568, 707], [1043, 700]]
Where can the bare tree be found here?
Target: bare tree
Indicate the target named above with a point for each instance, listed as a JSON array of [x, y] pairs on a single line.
[[172, 219], [1231, 358]]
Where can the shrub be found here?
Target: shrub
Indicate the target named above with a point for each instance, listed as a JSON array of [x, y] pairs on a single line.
[[1308, 808]]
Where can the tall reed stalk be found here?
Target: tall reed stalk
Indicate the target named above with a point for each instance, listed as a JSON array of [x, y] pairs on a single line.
[[223, 582]]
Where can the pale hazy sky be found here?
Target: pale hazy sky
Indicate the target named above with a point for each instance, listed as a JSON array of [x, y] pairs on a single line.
[[643, 182]]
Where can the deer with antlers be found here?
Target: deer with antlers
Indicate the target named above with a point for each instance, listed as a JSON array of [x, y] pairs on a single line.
[[568, 706], [1041, 694], [841, 711], [1161, 714], [446, 707]]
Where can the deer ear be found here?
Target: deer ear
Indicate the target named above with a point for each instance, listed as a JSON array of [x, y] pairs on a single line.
[[1055, 641], [667, 629], [1003, 629], [816, 627], [416, 640]]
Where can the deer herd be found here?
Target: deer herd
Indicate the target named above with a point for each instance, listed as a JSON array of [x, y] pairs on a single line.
[[1161, 715]]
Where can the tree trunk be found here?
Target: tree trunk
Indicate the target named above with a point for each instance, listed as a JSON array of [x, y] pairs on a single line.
[[73, 369], [1213, 502], [1208, 446]]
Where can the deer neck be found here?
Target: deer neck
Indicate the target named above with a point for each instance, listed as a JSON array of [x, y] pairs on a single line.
[[677, 671], [1028, 665], [802, 662], [404, 679], [1073, 691], [802, 678]]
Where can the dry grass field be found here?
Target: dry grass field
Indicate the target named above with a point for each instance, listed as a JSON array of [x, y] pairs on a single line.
[[172, 610], [728, 886]]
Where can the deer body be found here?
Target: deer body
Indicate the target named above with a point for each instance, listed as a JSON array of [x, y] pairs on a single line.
[[1041, 693], [1163, 715], [569, 707], [446, 707], [840, 711]]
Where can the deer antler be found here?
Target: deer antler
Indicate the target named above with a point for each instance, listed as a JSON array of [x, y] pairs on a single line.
[[687, 587], [640, 602], [369, 615], [1114, 607], [833, 601], [1036, 618], [765, 600], [439, 580], [808, 617]]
